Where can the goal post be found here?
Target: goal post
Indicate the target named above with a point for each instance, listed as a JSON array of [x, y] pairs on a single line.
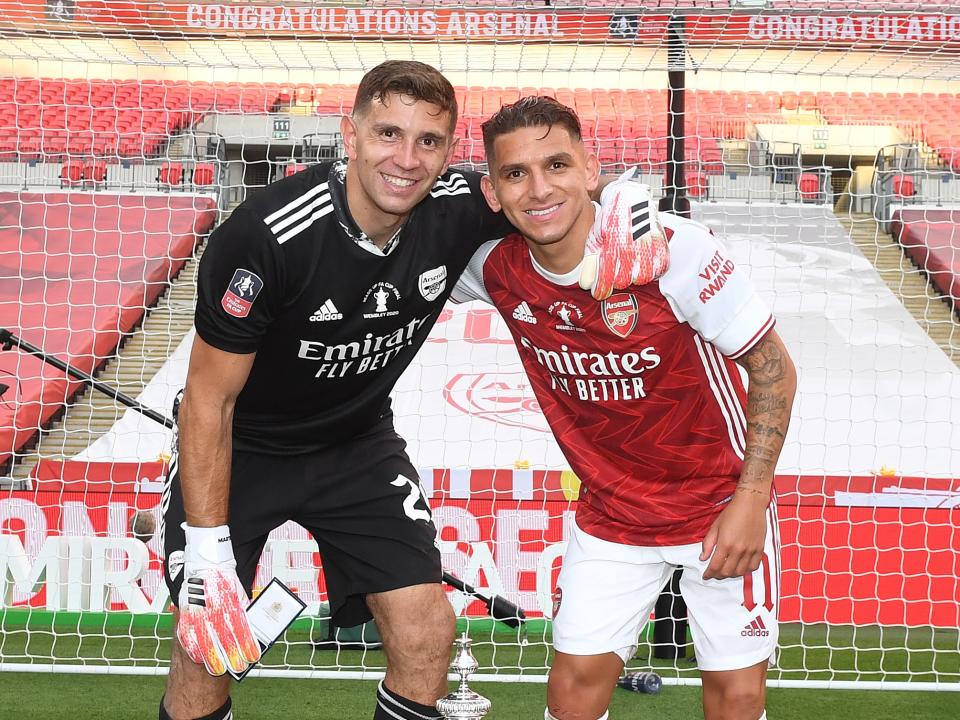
[[813, 138]]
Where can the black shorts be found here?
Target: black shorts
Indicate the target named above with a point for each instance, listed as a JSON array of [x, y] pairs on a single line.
[[361, 501]]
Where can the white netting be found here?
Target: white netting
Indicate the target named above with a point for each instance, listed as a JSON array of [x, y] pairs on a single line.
[[819, 142]]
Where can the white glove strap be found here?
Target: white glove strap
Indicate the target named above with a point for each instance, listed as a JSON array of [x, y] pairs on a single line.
[[208, 545]]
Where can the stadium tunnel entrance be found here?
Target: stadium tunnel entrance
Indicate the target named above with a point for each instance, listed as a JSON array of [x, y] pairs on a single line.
[[262, 148], [253, 167]]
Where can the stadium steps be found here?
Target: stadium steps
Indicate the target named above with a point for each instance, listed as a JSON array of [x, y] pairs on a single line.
[[179, 145], [92, 413], [924, 303]]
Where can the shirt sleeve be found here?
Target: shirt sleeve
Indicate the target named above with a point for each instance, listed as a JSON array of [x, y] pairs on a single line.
[[460, 191], [470, 286], [708, 290], [239, 284]]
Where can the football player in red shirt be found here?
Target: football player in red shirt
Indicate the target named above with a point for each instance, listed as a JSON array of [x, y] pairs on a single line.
[[675, 455]]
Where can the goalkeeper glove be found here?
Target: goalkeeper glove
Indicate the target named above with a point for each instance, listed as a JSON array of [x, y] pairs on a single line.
[[627, 244], [213, 626]]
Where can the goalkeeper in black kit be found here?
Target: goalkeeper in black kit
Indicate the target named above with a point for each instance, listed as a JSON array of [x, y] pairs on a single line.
[[313, 297]]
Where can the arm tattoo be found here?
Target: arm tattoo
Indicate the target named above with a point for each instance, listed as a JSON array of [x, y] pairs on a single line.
[[770, 392], [764, 363], [763, 403]]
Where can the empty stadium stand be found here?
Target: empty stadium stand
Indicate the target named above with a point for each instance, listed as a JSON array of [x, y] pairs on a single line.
[[931, 239], [89, 126], [112, 118], [77, 273], [45, 118]]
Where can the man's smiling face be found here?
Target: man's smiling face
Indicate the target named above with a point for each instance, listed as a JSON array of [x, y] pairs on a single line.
[[397, 148], [540, 177]]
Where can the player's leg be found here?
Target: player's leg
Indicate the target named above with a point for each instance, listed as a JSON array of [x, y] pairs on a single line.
[[417, 626], [734, 628], [580, 686], [735, 694], [604, 596], [191, 692], [377, 540]]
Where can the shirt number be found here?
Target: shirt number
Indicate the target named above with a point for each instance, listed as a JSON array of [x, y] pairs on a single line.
[[410, 502]]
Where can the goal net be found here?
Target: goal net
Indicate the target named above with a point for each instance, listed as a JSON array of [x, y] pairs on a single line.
[[818, 143]]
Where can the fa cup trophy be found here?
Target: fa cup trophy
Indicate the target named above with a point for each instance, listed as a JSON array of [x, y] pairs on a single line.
[[464, 703]]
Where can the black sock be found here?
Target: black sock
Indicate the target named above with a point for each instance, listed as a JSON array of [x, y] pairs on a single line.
[[222, 713], [391, 706]]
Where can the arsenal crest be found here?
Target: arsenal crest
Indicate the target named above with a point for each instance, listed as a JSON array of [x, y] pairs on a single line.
[[557, 600], [620, 313]]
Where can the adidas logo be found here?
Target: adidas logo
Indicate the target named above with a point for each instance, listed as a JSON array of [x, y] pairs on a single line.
[[755, 628], [454, 184], [328, 311], [640, 220], [522, 313]]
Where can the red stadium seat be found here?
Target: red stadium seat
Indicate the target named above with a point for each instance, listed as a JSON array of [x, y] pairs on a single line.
[[305, 94], [809, 186], [170, 174], [71, 174], [293, 169], [203, 174], [903, 186], [95, 171], [698, 186]]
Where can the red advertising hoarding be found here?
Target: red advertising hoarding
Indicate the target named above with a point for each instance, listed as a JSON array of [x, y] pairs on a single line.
[[863, 551], [453, 22]]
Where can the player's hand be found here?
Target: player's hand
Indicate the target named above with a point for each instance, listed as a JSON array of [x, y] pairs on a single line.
[[734, 543], [626, 245], [213, 626]]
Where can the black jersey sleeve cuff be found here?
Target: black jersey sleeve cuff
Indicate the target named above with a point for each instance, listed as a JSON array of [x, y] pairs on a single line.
[[211, 338]]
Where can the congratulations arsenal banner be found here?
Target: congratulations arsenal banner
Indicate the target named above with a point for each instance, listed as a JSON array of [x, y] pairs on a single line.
[[452, 22]]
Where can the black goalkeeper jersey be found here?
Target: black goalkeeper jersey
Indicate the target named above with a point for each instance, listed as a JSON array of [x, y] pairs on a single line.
[[333, 324]]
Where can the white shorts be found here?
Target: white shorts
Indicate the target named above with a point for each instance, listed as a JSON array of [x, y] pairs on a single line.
[[606, 591]]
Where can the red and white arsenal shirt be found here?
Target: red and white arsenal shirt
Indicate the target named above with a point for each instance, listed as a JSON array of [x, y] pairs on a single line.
[[640, 391]]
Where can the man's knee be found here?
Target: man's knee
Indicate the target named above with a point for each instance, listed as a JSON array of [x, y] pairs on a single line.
[[565, 681], [581, 686], [417, 625], [740, 699], [432, 631], [444, 621], [418, 616], [742, 703]]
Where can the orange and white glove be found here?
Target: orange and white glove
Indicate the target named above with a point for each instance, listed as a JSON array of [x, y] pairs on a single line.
[[213, 626], [626, 245]]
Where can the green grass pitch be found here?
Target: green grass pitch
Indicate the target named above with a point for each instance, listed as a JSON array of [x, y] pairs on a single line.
[[118, 639]]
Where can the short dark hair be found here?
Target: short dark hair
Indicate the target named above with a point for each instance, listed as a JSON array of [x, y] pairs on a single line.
[[407, 77], [530, 111]]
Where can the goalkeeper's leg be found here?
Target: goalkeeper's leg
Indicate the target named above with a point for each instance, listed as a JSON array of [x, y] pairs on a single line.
[[192, 692], [374, 529], [417, 626]]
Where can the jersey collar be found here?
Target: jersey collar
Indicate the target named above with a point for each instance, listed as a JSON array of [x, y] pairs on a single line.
[[337, 184], [570, 278]]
